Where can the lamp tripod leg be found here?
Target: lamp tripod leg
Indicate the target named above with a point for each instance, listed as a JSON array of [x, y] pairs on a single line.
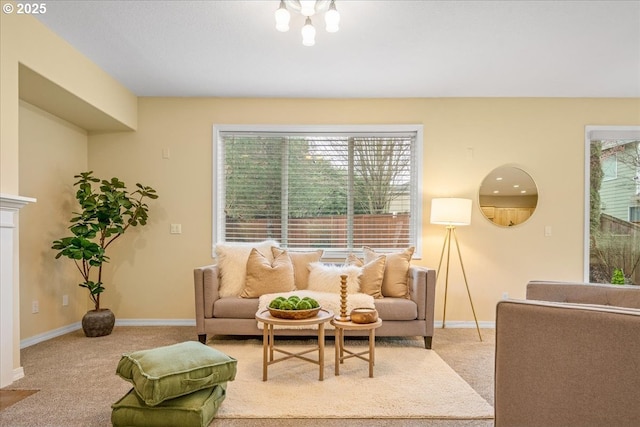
[[446, 245], [464, 274]]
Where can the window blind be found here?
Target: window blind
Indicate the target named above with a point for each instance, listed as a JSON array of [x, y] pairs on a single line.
[[333, 191]]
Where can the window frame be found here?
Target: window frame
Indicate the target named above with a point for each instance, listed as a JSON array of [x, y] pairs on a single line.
[[595, 133], [218, 165]]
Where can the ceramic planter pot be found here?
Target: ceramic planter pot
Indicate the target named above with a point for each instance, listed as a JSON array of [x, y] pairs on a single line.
[[98, 323]]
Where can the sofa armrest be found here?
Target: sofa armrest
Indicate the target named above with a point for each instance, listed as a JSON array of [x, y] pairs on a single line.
[[559, 364], [584, 293], [205, 280], [422, 289]]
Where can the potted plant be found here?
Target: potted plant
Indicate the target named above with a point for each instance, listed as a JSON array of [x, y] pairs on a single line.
[[107, 210]]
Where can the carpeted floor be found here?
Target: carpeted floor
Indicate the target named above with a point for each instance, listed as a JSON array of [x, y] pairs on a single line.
[[76, 379]]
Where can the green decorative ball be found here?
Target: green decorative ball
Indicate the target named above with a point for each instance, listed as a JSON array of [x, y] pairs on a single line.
[[313, 302], [276, 303], [304, 305], [287, 305]]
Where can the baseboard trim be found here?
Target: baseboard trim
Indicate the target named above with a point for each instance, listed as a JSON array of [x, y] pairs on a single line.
[[191, 322], [18, 373], [155, 322], [28, 342], [464, 324]]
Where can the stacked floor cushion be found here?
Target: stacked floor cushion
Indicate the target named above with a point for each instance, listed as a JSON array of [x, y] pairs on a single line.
[[181, 384]]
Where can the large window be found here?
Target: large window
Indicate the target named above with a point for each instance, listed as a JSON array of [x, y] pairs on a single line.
[[337, 188], [612, 232]]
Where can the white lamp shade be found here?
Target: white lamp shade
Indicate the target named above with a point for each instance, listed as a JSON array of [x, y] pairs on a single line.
[[282, 18], [308, 7], [332, 19], [451, 211], [308, 33]]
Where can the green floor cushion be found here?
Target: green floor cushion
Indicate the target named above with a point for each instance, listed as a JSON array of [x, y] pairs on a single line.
[[195, 409], [168, 372]]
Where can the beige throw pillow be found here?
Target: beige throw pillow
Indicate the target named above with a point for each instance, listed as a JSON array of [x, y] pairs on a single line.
[[265, 277], [232, 264], [372, 274], [396, 271], [301, 261]]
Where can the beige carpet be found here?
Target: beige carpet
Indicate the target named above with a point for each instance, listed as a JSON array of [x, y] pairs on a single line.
[[77, 384], [409, 382]]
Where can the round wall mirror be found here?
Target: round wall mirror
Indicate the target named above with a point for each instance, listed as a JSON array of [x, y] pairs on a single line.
[[508, 196]]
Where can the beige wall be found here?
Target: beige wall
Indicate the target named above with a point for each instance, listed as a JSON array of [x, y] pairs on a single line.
[[150, 276], [52, 151], [78, 81], [30, 53], [152, 269]]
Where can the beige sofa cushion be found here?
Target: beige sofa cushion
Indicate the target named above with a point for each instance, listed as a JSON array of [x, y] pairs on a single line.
[[265, 277], [396, 271], [301, 261], [372, 274], [232, 263]]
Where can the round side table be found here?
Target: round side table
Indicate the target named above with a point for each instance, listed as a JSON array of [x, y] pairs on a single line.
[[342, 353], [268, 340]]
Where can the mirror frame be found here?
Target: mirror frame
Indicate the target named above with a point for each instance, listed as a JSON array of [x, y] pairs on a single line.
[[524, 183]]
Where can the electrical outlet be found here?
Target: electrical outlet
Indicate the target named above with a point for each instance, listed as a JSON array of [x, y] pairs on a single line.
[[505, 295], [176, 229], [65, 300], [35, 306]]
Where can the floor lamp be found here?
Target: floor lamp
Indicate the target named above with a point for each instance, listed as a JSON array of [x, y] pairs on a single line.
[[452, 212]]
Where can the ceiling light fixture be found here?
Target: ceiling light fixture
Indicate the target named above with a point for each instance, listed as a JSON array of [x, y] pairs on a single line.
[[308, 8]]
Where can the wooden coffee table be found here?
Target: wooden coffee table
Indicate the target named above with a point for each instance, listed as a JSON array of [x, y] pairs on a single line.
[[268, 340], [341, 326]]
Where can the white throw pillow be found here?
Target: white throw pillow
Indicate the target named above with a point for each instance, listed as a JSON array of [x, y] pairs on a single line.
[[326, 277], [232, 264]]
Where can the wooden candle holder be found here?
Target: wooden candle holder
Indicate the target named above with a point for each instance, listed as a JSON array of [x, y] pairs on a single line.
[[343, 299]]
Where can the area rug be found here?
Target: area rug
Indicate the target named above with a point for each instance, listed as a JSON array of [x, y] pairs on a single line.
[[408, 382]]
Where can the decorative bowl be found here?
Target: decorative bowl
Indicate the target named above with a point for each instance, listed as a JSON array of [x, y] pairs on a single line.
[[294, 314], [364, 315]]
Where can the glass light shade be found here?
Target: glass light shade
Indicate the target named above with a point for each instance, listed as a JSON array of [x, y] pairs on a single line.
[[332, 19], [282, 18], [308, 33], [451, 211], [308, 7]]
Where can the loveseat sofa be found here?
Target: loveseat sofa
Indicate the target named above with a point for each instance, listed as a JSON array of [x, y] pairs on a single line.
[[235, 315], [568, 356]]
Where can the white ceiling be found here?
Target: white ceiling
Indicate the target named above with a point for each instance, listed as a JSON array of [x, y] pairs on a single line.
[[383, 49]]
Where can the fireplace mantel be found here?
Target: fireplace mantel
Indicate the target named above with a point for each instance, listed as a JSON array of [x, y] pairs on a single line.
[[9, 263]]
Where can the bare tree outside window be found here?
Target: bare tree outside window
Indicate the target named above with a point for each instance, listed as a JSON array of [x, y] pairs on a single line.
[[335, 192]]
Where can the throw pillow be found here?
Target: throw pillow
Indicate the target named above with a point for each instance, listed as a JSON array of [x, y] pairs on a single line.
[[396, 271], [326, 277], [232, 263], [171, 371], [372, 274], [197, 409], [301, 261], [265, 277]]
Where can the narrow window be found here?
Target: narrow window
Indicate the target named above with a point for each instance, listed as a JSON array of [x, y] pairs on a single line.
[[612, 234]]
